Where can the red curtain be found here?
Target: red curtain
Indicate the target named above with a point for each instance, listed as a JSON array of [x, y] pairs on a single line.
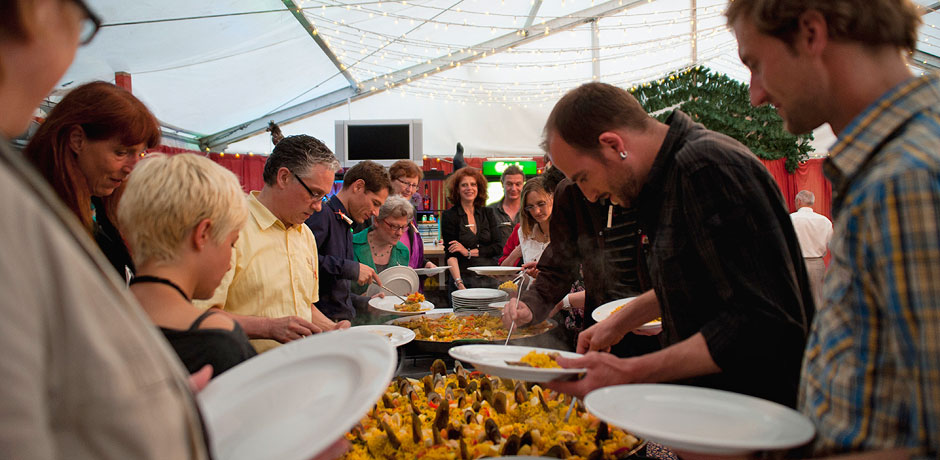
[[809, 176], [248, 168]]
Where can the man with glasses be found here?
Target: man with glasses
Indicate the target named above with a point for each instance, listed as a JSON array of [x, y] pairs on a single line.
[[507, 208], [272, 285], [365, 187]]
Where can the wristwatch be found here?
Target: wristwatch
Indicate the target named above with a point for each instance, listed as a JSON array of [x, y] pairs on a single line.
[[565, 303], [458, 281]]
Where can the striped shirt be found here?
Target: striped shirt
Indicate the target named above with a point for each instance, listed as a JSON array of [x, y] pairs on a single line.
[[871, 375]]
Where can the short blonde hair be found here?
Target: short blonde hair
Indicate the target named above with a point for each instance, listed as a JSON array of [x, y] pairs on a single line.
[[167, 196]]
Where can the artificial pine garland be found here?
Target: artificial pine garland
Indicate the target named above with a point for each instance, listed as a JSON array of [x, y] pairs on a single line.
[[723, 105]]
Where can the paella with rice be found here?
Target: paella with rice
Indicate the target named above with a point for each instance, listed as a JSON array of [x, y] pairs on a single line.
[[451, 327], [467, 415]]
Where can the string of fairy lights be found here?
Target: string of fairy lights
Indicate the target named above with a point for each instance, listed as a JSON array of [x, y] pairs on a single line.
[[432, 39]]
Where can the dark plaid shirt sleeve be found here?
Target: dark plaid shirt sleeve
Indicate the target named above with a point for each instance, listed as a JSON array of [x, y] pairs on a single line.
[[741, 233]]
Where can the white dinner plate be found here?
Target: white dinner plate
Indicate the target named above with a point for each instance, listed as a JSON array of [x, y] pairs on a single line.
[[700, 420], [431, 271], [604, 311], [294, 401], [495, 270], [396, 335], [491, 359], [499, 304], [477, 294], [400, 279], [387, 305]]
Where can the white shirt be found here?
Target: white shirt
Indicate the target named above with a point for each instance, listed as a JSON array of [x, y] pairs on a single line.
[[531, 248], [813, 230]]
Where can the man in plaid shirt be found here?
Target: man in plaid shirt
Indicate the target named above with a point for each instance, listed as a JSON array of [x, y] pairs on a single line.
[[871, 374]]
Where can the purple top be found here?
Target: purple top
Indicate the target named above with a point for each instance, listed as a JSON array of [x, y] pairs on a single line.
[[414, 242]]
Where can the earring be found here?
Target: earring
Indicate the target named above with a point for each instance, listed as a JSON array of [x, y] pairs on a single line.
[[623, 155]]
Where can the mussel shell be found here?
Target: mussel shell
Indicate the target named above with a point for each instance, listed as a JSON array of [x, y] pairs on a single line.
[[486, 384], [464, 454], [392, 439], [526, 438], [461, 381], [434, 397], [556, 451], [507, 383], [603, 433], [442, 416], [511, 446], [416, 429], [491, 430], [471, 386], [438, 367], [499, 402], [596, 454], [520, 394]]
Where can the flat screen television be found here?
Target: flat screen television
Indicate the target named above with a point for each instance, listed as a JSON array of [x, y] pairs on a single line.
[[383, 141]]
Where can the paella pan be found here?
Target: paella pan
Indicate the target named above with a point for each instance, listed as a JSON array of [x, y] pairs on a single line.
[[438, 332]]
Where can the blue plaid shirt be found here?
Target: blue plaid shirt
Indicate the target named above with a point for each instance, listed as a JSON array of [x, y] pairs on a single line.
[[871, 373]]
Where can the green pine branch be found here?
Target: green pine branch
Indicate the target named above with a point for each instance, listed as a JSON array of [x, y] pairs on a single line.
[[723, 105]]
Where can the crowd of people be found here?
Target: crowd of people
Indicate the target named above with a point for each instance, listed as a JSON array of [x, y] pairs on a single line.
[[130, 280]]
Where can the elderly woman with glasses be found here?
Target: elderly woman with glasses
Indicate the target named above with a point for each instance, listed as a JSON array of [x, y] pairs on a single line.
[[406, 176], [380, 246]]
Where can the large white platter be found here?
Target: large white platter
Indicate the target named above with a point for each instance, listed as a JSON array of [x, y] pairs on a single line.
[[700, 420], [491, 359], [387, 305], [604, 311], [292, 402], [495, 270], [396, 335], [431, 271]]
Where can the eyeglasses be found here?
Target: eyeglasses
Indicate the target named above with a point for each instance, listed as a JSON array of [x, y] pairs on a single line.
[[315, 196], [540, 205], [90, 24], [392, 227], [408, 185]]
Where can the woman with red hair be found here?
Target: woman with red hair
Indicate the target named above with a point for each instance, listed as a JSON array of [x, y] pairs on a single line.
[[468, 229], [86, 148]]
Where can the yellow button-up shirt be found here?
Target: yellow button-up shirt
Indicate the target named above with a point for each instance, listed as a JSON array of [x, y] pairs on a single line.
[[274, 271]]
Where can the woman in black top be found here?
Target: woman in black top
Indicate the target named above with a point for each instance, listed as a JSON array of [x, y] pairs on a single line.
[[181, 216], [468, 229]]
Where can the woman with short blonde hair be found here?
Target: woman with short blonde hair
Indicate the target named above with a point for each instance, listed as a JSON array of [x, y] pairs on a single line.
[[181, 216]]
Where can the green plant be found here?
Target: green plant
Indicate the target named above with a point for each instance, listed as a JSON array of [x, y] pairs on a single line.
[[723, 104]]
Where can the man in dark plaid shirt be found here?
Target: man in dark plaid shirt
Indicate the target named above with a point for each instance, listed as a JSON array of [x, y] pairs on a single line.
[[727, 273]]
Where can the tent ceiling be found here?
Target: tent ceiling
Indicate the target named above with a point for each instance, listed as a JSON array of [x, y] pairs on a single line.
[[221, 69]]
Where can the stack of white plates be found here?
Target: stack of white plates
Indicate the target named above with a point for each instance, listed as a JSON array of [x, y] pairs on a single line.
[[477, 300]]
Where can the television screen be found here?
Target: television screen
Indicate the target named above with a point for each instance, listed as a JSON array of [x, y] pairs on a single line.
[[378, 142]]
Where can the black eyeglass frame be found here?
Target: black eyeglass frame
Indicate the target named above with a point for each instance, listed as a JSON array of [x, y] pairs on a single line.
[[90, 16], [315, 196]]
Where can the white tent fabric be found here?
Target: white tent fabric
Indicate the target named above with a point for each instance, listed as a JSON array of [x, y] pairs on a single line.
[[482, 72]]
